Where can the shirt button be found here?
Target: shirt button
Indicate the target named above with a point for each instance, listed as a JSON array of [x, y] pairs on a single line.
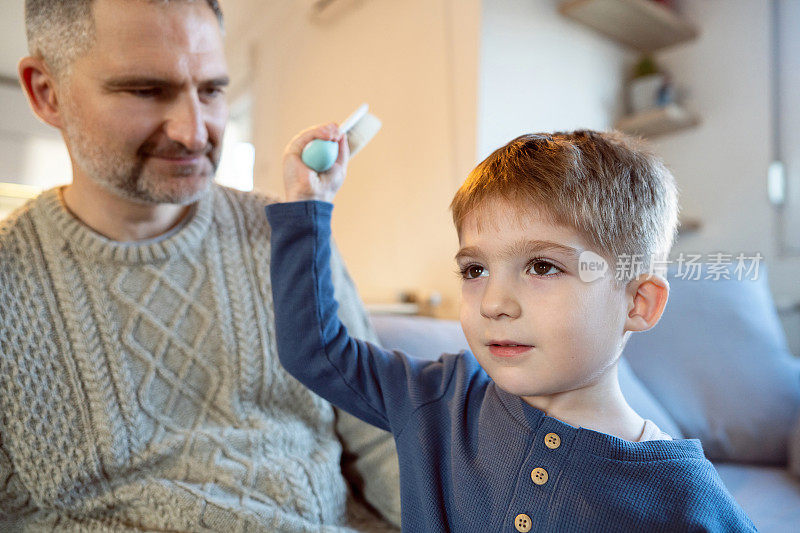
[[539, 476], [552, 441], [523, 523]]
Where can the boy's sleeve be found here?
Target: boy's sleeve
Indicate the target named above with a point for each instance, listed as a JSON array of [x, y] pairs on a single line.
[[379, 387]]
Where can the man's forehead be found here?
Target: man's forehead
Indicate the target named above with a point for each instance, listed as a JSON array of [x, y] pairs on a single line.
[[174, 42], [155, 29], [122, 71]]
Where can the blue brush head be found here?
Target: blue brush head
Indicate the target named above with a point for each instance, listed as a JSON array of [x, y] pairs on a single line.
[[320, 155]]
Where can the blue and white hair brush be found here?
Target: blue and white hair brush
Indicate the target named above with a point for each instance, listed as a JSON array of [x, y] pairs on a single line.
[[360, 128]]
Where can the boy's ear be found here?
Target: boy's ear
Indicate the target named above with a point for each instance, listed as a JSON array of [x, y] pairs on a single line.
[[646, 297], [40, 87]]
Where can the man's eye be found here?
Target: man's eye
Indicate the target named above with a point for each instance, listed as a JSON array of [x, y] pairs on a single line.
[[152, 92], [543, 268], [212, 92], [473, 271]]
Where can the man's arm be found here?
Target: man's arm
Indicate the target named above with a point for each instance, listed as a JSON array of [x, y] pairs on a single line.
[[14, 499]]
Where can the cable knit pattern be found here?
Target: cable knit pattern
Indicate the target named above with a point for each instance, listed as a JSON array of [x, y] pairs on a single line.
[[140, 387]]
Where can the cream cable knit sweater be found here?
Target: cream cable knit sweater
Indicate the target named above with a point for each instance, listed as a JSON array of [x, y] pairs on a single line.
[[139, 383]]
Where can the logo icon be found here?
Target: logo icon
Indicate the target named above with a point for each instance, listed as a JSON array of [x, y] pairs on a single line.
[[591, 266]]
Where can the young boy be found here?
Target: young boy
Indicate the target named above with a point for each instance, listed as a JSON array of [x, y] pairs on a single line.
[[529, 430]]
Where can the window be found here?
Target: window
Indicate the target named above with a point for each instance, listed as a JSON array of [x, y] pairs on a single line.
[[238, 153]]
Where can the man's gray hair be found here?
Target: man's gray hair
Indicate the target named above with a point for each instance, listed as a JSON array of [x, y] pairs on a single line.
[[60, 30]]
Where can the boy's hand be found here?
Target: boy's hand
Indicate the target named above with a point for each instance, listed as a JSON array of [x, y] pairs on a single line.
[[303, 183]]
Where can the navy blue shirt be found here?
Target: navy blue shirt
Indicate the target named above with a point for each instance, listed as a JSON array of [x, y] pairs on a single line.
[[472, 456]]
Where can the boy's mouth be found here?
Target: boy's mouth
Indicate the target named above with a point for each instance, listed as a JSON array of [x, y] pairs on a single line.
[[507, 348]]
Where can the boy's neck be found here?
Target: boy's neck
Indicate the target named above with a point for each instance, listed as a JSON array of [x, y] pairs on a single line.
[[599, 406]]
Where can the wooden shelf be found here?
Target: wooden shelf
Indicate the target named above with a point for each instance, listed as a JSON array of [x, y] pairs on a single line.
[[658, 121], [640, 24]]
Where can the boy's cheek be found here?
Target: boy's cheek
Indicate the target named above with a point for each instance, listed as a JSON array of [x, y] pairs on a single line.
[[469, 312], [465, 311], [470, 299]]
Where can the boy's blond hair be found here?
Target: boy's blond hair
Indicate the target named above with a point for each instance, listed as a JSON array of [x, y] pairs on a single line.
[[617, 195]]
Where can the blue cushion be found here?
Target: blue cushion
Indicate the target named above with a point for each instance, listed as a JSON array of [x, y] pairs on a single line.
[[423, 337], [718, 362], [428, 338], [794, 450], [644, 403]]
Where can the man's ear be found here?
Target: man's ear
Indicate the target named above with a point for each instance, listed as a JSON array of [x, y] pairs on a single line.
[[40, 86], [646, 296]]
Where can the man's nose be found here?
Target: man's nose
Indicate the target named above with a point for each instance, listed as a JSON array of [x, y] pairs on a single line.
[[186, 123], [499, 300]]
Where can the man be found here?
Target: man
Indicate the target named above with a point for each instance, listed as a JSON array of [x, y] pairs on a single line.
[[139, 385]]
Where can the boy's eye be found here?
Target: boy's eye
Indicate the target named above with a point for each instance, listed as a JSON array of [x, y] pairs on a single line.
[[543, 268], [473, 271]]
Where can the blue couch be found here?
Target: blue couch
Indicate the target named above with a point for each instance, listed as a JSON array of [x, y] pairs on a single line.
[[716, 367]]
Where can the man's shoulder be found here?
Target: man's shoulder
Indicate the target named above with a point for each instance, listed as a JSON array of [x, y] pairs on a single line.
[[242, 208], [19, 245], [248, 200], [13, 228]]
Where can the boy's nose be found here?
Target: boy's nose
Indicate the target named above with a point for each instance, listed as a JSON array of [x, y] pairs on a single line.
[[499, 301]]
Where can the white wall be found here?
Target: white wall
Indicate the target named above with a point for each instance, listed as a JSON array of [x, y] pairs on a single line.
[[10, 162], [13, 43], [415, 63], [721, 167], [543, 72], [31, 152], [788, 82], [451, 79], [454, 79]]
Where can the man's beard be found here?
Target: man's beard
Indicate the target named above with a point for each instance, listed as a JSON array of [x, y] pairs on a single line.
[[130, 178]]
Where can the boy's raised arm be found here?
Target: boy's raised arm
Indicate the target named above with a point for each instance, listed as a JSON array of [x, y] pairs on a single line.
[[377, 386]]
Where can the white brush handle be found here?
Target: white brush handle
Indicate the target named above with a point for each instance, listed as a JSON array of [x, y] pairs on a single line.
[[360, 127], [351, 121]]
